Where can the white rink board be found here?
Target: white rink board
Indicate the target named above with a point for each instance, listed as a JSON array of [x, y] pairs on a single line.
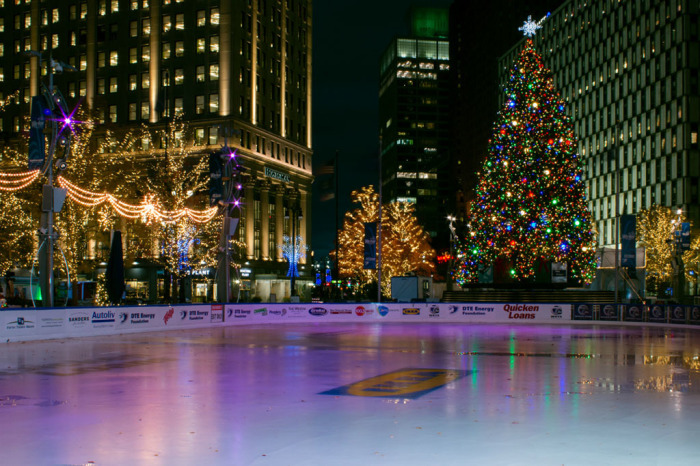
[[40, 324]]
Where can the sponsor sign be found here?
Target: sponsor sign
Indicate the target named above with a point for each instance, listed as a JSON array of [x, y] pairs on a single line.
[[557, 312], [411, 311], [277, 312], [694, 315], [217, 313], [168, 315], [434, 311], [609, 312], [136, 317], [633, 313], [677, 314], [336, 311], [404, 383], [361, 311], [260, 312], [476, 309], [657, 313], [20, 322], [382, 310], [521, 311], [582, 312], [318, 311]]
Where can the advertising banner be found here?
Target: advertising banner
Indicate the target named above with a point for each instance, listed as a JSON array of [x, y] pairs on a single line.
[[656, 313], [694, 315], [677, 314], [628, 234], [609, 312], [582, 312], [632, 312], [370, 261]]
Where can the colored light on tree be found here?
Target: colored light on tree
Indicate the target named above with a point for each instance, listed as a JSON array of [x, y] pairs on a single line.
[[530, 201]]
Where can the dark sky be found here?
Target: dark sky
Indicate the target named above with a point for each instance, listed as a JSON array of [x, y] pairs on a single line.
[[348, 40]]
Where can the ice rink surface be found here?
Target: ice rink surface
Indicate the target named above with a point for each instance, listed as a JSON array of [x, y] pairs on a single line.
[[356, 394]]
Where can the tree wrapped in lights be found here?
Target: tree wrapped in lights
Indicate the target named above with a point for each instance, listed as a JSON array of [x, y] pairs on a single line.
[[530, 202], [657, 228], [404, 245]]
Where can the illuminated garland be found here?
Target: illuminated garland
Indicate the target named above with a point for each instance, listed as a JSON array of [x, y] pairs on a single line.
[[16, 181], [146, 210]]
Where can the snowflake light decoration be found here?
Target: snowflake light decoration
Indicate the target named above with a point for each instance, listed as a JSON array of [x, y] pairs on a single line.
[[530, 27]]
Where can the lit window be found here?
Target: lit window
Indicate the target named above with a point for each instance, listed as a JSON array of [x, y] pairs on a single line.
[[146, 26], [134, 5], [83, 10], [145, 4], [200, 74], [132, 82], [101, 86], [180, 21], [214, 103], [134, 29], [83, 88], [179, 76], [2, 24], [146, 53], [132, 112], [2, 49], [166, 50], [201, 18], [73, 38], [54, 41], [214, 19], [133, 55], [199, 136], [113, 84], [113, 58], [83, 62], [214, 44], [145, 110], [115, 8], [101, 59], [179, 107], [113, 113], [54, 15], [27, 22], [103, 7], [201, 46], [199, 104], [167, 25], [179, 48], [213, 135], [145, 81], [214, 72]]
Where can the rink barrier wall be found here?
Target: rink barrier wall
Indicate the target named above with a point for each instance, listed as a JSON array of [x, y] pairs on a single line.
[[26, 324]]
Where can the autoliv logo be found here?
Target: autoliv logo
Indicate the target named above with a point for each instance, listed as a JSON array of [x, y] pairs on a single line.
[[521, 311], [103, 317]]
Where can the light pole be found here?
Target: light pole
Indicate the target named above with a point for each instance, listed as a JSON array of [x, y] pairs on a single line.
[[451, 218], [50, 106], [677, 260]]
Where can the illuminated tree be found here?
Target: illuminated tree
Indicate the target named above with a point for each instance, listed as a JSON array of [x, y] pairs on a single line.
[[17, 228], [404, 244], [657, 226], [530, 203]]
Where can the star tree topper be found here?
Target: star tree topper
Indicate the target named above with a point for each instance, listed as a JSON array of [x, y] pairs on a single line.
[[530, 27]]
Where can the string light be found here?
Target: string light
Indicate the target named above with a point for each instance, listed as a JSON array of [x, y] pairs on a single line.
[[17, 181]]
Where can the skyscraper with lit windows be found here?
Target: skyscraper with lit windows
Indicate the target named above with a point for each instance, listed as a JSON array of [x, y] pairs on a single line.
[[629, 74], [413, 119], [237, 71]]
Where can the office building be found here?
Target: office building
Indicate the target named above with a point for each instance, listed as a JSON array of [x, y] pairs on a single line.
[[237, 71], [413, 120]]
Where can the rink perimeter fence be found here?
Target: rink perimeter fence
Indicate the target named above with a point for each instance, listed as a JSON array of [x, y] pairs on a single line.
[[24, 324]]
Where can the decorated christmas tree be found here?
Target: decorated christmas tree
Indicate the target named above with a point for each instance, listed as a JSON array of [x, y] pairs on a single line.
[[530, 208]]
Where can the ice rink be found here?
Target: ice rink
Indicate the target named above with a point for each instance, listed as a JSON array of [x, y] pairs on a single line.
[[356, 394]]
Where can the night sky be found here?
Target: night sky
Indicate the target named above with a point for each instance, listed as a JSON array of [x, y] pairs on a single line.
[[349, 38]]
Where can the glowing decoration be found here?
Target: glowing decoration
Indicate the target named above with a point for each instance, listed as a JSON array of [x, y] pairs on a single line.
[[530, 27], [293, 251], [530, 205], [17, 181], [147, 210]]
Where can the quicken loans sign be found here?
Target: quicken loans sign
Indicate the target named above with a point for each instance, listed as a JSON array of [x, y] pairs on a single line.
[[269, 172]]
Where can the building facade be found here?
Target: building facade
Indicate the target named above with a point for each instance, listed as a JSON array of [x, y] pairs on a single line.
[[629, 74], [413, 119], [239, 72]]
